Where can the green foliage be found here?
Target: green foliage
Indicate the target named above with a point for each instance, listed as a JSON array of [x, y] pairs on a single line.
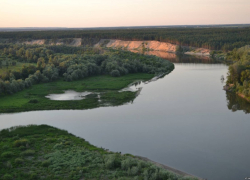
[[7, 177], [107, 85], [19, 161], [28, 152], [21, 142], [52, 66], [7, 154], [33, 101], [75, 161], [115, 73], [239, 72]]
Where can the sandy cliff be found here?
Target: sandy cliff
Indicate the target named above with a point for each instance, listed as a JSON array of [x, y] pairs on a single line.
[[138, 45], [75, 42], [149, 46]]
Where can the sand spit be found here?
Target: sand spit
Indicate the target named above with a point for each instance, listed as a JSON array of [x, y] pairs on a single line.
[[199, 52]]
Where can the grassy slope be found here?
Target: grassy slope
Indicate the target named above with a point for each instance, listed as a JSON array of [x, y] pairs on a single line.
[[20, 101], [44, 152]]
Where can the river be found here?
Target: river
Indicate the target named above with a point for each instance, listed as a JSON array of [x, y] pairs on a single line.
[[184, 120]]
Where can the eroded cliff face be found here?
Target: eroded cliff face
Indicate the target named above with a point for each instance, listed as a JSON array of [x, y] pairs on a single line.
[[138, 45], [74, 42], [150, 46], [146, 46]]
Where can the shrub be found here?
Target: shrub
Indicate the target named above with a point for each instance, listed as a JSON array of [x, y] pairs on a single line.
[[33, 176], [33, 101], [28, 153], [21, 142], [7, 154], [85, 169], [5, 147], [127, 163], [115, 73], [7, 177], [22, 147], [110, 161], [8, 164], [19, 161], [134, 171], [46, 163]]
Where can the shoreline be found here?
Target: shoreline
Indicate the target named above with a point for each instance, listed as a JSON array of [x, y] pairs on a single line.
[[228, 89], [168, 168]]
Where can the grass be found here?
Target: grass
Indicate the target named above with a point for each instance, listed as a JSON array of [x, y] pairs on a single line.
[[34, 97], [51, 153]]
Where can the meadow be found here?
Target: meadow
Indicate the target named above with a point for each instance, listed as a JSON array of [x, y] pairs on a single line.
[[34, 98]]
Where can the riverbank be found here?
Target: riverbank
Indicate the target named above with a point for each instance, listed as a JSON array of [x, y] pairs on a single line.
[[45, 152], [147, 46], [34, 98], [173, 170], [125, 45], [231, 88]]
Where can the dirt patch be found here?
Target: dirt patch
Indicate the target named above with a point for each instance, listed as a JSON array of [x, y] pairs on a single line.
[[76, 42], [199, 52]]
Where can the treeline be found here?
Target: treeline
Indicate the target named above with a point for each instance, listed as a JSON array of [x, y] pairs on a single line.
[[211, 38], [239, 72], [51, 66]]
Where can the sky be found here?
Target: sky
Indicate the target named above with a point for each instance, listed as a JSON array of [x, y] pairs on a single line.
[[113, 13]]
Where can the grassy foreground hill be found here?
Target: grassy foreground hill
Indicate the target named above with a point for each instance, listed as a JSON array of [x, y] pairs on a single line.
[[45, 152]]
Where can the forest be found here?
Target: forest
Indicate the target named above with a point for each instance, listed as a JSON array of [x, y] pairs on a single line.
[[238, 79], [214, 38], [45, 64]]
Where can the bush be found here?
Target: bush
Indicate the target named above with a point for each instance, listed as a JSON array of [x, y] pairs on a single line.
[[46, 163], [33, 101], [21, 142], [33, 176], [110, 161], [19, 161], [7, 177], [115, 73], [28, 153], [134, 171], [7, 154]]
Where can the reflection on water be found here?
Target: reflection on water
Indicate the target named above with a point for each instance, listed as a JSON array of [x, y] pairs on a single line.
[[237, 103], [180, 58], [68, 95]]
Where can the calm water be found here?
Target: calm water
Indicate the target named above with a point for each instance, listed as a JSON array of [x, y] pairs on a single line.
[[184, 120]]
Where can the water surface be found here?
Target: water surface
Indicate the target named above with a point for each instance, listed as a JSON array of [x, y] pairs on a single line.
[[184, 120]]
